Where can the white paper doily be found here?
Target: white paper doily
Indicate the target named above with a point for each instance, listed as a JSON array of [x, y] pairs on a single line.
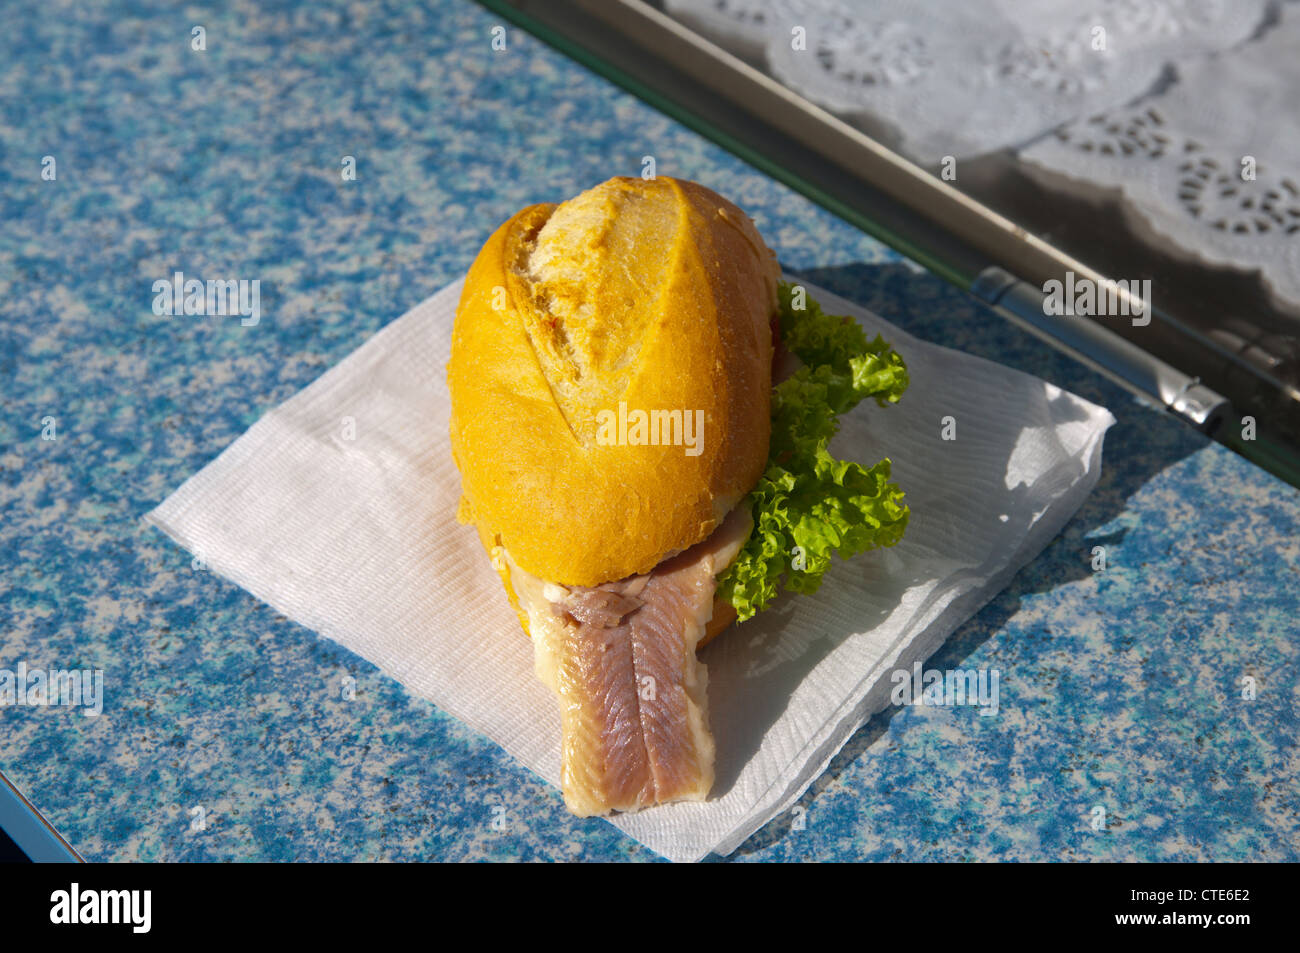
[[943, 78], [1212, 164]]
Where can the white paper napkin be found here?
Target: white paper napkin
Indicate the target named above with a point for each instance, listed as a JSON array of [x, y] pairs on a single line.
[[338, 509]]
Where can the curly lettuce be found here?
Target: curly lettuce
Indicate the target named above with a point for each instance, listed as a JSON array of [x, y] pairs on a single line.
[[809, 505]]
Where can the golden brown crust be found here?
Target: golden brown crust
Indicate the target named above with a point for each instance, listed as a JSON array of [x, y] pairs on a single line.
[[654, 294]]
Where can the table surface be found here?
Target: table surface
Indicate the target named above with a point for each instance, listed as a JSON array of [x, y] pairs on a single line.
[[1121, 688]]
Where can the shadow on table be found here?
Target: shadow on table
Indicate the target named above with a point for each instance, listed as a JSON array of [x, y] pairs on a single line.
[[1143, 442]]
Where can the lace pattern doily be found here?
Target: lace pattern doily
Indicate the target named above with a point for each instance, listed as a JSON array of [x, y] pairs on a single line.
[[1212, 164], [939, 78]]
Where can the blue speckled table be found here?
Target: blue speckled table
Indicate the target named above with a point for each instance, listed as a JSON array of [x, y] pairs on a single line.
[[1120, 688]]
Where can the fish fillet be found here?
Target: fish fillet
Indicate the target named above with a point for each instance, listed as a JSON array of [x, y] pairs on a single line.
[[620, 659]]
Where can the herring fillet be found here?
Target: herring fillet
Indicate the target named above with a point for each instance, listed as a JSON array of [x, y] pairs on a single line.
[[635, 714], [621, 661]]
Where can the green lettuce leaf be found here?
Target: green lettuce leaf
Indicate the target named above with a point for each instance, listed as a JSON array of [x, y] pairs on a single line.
[[808, 505]]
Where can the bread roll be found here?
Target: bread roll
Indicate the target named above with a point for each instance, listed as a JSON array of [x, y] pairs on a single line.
[[637, 295]]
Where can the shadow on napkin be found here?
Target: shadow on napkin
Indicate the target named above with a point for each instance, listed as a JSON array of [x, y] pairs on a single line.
[[1136, 451]]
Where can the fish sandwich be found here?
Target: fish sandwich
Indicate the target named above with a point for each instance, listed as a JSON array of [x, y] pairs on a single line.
[[635, 479]]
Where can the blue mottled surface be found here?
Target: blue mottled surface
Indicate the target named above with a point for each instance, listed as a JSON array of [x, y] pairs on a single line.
[[1119, 688]]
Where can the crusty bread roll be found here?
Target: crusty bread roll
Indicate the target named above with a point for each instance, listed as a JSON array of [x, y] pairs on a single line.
[[652, 294]]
